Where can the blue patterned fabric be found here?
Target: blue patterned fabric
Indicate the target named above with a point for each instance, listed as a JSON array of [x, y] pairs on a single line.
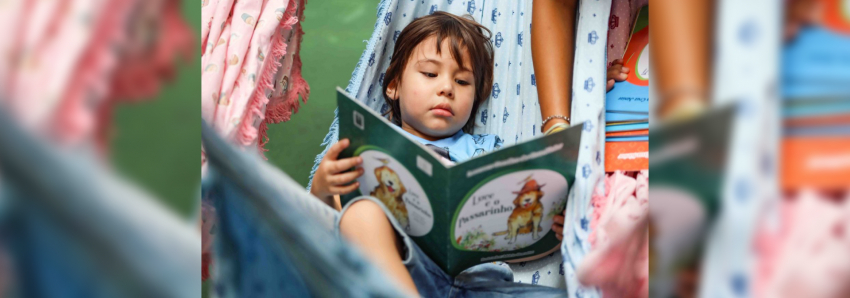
[[746, 73], [588, 108], [512, 111], [462, 146]]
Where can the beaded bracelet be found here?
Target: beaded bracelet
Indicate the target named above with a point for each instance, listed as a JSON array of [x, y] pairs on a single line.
[[552, 117]]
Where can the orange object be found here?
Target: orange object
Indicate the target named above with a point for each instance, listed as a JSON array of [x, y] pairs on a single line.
[[819, 120], [626, 156], [635, 51], [628, 133], [815, 162], [837, 16]]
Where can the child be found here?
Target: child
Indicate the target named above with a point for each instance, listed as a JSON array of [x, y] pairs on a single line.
[[440, 73]]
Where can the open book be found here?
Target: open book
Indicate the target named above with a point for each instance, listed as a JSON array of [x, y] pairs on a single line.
[[496, 206], [688, 162], [815, 63]]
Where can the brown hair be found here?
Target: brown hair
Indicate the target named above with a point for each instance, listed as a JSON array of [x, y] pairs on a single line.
[[463, 33]]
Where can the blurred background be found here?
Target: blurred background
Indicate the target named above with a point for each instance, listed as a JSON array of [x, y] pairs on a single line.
[[99, 152], [155, 142]]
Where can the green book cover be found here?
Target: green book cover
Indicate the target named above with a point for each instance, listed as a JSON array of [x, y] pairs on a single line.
[[687, 160], [481, 210]]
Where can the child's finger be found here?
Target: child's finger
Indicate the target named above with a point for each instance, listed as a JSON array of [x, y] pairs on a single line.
[[559, 230], [345, 164], [609, 85], [560, 237], [559, 219], [613, 72], [333, 153], [616, 65], [345, 178], [345, 189], [624, 69], [622, 77]]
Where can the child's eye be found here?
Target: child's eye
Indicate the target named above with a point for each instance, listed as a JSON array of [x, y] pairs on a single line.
[[430, 75], [462, 82]]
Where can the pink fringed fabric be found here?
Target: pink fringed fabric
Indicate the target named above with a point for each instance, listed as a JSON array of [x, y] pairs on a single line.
[[619, 259], [288, 88], [251, 74], [73, 118], [251, 68], [147, 64], [70, 55]]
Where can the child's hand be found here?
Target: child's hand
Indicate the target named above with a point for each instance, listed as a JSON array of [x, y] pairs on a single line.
[[617, 72], [801, 13], [558, 226], [331, 177]]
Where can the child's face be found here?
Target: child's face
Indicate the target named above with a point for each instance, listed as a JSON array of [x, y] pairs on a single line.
[[436, 94]]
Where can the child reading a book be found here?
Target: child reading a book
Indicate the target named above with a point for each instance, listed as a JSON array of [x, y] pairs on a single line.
[[440, 73]]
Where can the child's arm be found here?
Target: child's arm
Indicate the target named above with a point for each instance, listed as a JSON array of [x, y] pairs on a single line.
[[332, 177], [616, 73]]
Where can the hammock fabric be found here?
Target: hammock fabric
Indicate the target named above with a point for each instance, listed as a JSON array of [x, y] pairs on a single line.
[[251, 69]]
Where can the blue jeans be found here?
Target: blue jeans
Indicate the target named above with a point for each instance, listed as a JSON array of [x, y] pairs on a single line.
[[484, 280]]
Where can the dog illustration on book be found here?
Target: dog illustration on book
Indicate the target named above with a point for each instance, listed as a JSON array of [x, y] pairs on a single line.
[[390, 191], [527, 213]]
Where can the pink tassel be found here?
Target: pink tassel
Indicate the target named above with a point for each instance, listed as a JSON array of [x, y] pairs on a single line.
[[246, 133], [281, 110], [73, 121]]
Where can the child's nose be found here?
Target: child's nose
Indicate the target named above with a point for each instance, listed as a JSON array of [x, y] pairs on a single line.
[[447, 90]]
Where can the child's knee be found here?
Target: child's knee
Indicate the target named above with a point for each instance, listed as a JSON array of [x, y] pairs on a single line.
[[363, 215], [365, 224]]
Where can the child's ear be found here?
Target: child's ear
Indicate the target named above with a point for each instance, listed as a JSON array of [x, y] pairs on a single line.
[[392, 89]]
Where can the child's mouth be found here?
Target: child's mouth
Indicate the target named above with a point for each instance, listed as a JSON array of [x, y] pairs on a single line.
[[443, 110]]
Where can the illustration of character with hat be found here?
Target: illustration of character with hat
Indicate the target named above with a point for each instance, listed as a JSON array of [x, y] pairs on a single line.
[[527, 213]]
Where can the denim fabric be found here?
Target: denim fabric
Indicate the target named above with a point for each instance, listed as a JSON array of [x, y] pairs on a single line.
[[75, 229], [275, 239], [484, 280]]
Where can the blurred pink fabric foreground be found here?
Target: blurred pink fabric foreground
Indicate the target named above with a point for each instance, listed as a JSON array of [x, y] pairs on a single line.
[[618, 262], [804, 252], [251, 70], [71, 61], [251, 76]]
